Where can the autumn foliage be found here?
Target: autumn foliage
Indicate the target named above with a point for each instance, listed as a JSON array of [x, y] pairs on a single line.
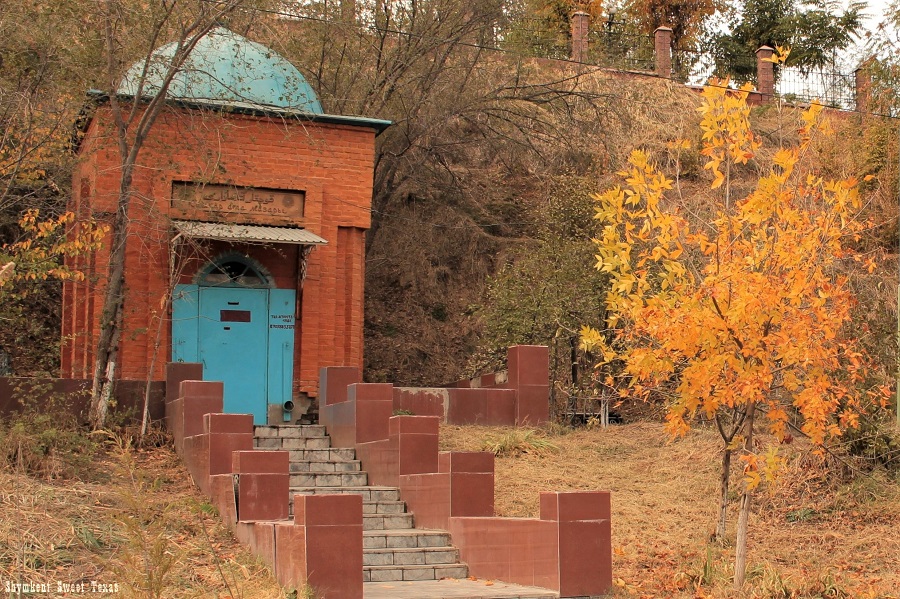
[[747, 308], [742, 315], [38, 255]]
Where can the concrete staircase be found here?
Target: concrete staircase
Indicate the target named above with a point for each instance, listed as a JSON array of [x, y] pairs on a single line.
[[393, 549]]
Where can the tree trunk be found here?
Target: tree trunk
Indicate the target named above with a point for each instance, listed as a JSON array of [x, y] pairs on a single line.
[[573, 359], [132, 127], [145, 418], [111, 316], [740, 551], [723, 497]]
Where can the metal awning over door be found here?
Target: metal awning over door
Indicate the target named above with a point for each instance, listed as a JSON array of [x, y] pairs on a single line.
[[248, 233]]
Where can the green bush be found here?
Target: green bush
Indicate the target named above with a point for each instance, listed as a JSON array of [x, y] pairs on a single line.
[[49, 444], [876, 443]]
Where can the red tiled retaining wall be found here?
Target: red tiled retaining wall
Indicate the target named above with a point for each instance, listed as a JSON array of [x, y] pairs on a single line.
[[567, 549], [73, 397], [250, 489], [517, 396]]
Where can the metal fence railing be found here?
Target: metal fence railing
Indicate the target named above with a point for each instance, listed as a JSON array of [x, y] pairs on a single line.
[[693, 68], [626, 51], [696, 67], [532, 37], [837, 90]]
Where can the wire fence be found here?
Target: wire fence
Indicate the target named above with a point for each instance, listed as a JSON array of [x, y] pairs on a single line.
[[792, 84], [696, 67]]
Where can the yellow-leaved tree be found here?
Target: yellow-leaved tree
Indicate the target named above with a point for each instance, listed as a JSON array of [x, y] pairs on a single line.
[[39, 253], [742, 316]]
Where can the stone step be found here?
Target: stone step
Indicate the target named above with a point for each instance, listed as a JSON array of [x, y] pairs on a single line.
[[425, 572], [289, 431], [333, 454], [384, 507], [328, 479], [393, 551], [387, 521], [370, 508], [369, 493], [453, 589], [292, 444], [417, 556], [316, 466], [405, 538]]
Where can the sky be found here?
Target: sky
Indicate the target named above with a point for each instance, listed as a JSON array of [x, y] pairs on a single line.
[[876, 15]]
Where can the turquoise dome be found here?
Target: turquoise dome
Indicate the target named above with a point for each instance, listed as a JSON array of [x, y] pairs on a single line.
[[225, 67]]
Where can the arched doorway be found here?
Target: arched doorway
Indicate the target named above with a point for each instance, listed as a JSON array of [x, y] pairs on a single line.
[[234, 322]]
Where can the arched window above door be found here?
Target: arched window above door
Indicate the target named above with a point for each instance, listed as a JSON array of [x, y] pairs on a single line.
[[234, 270]]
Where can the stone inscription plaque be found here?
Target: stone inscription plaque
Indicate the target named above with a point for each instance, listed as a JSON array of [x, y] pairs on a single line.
[[225, 203]]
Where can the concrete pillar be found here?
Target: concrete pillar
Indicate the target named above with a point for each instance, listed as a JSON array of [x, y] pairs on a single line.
[[580, 22], [175, 373], [262, 482], [765, 74], [323, 546], [528, 371], [663, 51]]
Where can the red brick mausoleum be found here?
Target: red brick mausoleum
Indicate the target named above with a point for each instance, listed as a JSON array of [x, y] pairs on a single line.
[[251, 206]]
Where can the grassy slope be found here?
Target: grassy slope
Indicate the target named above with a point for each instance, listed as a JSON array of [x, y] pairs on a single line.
[[811, 536], [136, 521]]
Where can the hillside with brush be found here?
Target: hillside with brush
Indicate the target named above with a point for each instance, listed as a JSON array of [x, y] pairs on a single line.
[[499, 251], [482, 213]]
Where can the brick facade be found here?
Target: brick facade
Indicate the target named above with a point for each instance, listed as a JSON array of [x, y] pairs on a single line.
[[331, 162]]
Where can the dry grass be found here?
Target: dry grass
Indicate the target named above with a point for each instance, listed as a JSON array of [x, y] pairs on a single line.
[[814, 535], [140, 524]]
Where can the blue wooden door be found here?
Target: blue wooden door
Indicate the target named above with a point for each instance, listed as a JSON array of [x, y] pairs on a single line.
[[244, 338], [233, 346], [281, 347]]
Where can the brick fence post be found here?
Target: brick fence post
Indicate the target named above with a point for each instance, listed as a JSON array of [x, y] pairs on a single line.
[[863, 81], [765, 74], [662, 45], [580, 22]]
